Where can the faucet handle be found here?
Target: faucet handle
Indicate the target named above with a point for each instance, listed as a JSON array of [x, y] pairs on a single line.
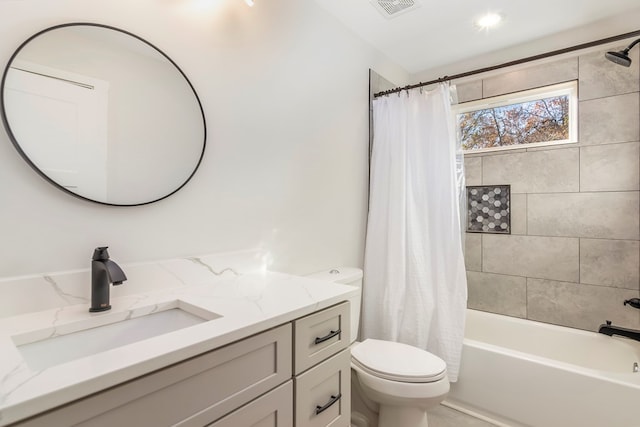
[[633, 302], [101, 253], [608, 322]]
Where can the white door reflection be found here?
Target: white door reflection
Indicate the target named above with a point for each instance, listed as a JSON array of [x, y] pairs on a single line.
[[61, 113]]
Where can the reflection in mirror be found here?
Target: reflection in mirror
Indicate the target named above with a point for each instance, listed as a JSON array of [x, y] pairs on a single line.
[[103, 114]]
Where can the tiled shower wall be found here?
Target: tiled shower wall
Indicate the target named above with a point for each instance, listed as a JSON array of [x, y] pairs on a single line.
[[573, 255]]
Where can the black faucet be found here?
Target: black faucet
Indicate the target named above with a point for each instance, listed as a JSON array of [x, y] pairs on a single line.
[[633, 302], [103, 272], [611, 330]]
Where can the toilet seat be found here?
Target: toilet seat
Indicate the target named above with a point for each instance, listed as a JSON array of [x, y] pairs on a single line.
[[398, 362]]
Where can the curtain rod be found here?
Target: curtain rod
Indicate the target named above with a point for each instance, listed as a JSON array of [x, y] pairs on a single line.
[[511, 63]]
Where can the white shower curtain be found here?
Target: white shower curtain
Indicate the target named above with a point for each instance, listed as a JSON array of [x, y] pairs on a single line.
[[415, 288]]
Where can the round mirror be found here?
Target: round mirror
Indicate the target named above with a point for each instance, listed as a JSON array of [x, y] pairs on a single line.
[[102, 114]]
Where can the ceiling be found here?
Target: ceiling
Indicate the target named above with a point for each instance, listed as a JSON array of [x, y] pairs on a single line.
[[441, 32]]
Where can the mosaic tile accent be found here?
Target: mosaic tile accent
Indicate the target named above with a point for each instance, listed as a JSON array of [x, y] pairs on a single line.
[[489, 209]]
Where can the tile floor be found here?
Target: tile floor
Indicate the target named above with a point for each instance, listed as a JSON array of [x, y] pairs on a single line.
[[443, 416]]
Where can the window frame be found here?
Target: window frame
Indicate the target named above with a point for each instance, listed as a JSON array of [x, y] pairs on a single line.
[[569, 89]]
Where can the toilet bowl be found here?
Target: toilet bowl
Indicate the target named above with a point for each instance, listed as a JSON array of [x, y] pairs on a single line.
[[393, 384], [402, 380]]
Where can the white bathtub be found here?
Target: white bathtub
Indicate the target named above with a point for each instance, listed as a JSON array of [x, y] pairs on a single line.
[[521, 373]]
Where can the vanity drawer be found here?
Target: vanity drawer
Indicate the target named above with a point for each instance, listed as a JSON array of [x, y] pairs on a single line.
[[191, 393], [274, 409], [323, 393], [321, 335]]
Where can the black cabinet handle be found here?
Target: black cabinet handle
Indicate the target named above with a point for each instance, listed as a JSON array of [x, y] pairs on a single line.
[[327, 337], [334, 399]]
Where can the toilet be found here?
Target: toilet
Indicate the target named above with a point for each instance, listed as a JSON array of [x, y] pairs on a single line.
[[392, 384]]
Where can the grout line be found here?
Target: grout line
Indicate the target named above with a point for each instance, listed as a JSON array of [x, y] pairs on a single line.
[[579, 169], [526, 298], [551, 193], [527, 278], [579, 260], [560, 237], [526, 214], [608, 96], [481, 253]]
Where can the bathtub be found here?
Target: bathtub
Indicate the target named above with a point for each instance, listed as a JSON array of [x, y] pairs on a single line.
[[520, 373]]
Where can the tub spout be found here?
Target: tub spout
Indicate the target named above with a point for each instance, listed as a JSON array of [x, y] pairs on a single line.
[[611, 330]]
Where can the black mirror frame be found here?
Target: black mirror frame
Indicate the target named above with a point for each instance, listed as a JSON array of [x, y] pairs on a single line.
[[16, 145]]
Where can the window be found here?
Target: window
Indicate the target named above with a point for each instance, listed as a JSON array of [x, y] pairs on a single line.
[[536, 117]]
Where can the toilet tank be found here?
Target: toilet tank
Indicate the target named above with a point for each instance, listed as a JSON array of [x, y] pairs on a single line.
[[347, 276]]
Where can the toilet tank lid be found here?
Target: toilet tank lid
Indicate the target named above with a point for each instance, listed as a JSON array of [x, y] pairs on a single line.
[[342, 275]]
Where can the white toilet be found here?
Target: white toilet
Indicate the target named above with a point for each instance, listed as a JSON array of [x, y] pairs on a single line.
[[393, 384]]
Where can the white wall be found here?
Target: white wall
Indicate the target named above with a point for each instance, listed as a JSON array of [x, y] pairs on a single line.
[[284, 88]]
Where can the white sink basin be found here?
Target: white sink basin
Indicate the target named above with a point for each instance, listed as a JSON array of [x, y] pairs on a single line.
[[93, 339]]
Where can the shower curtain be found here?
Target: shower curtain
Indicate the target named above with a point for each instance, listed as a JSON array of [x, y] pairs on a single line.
[[415, 288]]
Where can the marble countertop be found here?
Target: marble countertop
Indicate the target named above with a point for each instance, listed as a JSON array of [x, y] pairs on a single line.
[[247, 303]]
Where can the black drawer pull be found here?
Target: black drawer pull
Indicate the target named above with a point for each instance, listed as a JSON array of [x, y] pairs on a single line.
[[327, 337], [334, 399]]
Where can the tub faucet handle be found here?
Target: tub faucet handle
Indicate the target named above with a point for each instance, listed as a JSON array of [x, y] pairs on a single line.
[[633, 302]]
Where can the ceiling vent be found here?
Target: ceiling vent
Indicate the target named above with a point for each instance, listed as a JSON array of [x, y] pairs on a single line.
[[394, 8]]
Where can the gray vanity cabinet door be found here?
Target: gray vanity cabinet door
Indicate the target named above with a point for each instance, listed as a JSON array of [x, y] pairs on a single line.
[[192, 393], [323, 393], [321, 335], [274, 409]]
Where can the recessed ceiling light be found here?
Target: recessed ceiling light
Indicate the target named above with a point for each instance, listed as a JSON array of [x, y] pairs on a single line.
[[488, 20]]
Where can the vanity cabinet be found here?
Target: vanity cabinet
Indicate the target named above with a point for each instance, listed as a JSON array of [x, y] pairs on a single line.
[[195, 392], [323, 396], [320, 335], [274, 409], [322, 366], [294, 374]]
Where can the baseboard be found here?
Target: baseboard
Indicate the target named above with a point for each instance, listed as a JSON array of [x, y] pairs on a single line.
[[476, 414]]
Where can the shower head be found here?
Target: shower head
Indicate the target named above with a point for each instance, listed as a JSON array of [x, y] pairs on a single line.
[[621, 57]]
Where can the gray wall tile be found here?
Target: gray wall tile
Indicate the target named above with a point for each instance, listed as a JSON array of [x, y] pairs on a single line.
[[518, 214], [473, 251], [556, 146], [575, 213], [601, 215], [599, 77], [610, 263], [473, 170], [611, 167], [579, 306], [469, 91], [532, 77], [534, 171], [531, 256], [612, 119], [497, 293]]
